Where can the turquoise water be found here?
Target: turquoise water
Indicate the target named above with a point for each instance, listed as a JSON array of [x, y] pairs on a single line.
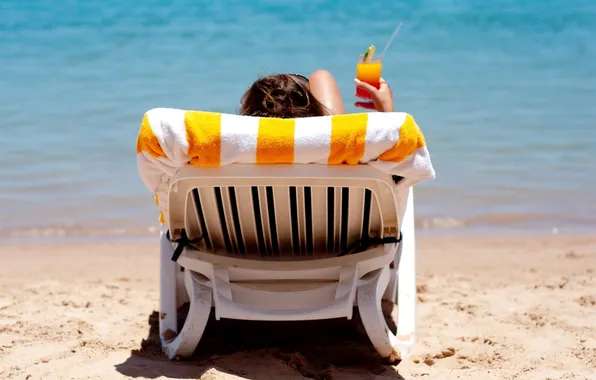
[[505, 92]]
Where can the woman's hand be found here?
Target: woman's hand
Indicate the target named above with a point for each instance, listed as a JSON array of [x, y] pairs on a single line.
[[382, 98]]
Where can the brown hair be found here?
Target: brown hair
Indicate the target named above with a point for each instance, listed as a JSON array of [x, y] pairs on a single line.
[[283, 96]]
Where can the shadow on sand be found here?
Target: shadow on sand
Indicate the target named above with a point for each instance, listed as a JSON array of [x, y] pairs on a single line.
[[327, 349]]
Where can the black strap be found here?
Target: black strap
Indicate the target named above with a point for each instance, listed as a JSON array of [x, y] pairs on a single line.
[[367, 242], [396, 178], [182, 242]]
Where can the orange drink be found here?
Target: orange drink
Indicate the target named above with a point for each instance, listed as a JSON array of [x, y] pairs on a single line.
[[368, 71]]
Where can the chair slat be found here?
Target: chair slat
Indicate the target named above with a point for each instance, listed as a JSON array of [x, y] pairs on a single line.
[[301, 220], [337, 217], [212, 218], [294, 221], [233, 216], [344, 217], [366, 213], [319, 219], [273, 233], [376, 225], [197, 226], [265, 217], [274, 221], [355, 206], [259, 230], [330, 219], [224, 217], [308, 223], [247, 219], [282, 217]]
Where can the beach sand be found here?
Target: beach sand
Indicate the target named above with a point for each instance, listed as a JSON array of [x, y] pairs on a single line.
[[489, 308]]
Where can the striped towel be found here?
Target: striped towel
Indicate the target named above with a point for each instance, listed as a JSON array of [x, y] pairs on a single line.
[[171, 138]]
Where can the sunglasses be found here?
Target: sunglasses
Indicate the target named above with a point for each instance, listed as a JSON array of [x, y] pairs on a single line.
[[301, 78]]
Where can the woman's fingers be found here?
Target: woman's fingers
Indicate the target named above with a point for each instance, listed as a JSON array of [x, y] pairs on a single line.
[[383, 85], [381, 98], [365, 105], [365, 86]]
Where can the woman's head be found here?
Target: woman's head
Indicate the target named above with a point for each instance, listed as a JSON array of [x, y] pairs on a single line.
[[281, 95]]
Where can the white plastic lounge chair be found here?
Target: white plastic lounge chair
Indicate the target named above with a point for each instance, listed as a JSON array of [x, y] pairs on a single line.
[[278, 242]]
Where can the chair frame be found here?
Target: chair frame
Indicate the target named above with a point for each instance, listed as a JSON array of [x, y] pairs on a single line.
[[248, 289]]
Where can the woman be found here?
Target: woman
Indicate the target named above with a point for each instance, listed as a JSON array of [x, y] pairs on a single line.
[[293, 95]]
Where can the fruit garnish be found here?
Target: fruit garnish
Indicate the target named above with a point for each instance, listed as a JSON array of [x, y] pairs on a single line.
[[368, 54]]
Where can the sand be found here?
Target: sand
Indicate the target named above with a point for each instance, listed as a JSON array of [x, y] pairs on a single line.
[[489, 308]]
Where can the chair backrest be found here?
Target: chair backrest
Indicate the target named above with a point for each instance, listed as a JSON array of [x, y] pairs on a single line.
[[282, 211]]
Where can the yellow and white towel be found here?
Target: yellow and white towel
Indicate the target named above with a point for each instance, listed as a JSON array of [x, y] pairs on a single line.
[[171, 138]]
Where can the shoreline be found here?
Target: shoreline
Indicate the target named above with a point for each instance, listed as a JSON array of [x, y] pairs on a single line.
[[488, 308], [124, 230], [49, 236]]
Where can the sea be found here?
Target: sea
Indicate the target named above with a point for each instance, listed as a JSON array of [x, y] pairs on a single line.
[[504, 91]]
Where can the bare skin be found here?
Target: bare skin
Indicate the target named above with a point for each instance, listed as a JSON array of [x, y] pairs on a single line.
[[381, 98], [324, 87]]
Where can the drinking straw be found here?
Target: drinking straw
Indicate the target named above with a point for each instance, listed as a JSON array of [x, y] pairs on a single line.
[[391, 39]]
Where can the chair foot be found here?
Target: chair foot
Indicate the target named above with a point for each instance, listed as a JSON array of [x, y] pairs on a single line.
[[391, 347], [184, 344]]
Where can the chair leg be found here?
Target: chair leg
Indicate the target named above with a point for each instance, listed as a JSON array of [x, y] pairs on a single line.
[[390, 293], [167, 292], [391, 347], [406, 280], [371, 314], [198, 314], [181, 293], [407, 229]]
